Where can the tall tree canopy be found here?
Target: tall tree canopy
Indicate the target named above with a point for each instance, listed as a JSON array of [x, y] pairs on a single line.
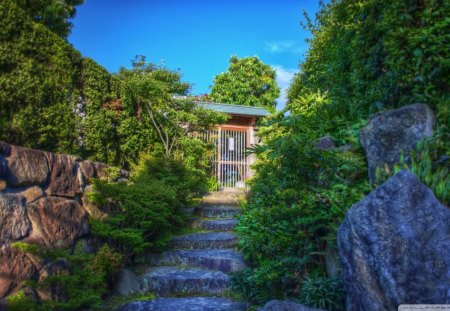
[[248, 81], [53, 14], [372, 55]]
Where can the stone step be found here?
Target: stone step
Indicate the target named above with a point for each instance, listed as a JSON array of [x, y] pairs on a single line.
[[225, 260], [166, 281], [185, 304], [222, 211], [230, 196], [204, 240], [215, 224]]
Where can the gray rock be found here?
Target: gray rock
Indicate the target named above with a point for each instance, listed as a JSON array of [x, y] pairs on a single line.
[[325, 143], [223, 211], [14, 222], [225, 260], [277, 305], [127, 283], [215, 224], [185, 304], [395, 246], [332, 261], [165, 281], [205, 240], [389, 133]]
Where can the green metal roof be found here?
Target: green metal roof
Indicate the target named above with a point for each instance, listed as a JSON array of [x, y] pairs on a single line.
[[235, 109]]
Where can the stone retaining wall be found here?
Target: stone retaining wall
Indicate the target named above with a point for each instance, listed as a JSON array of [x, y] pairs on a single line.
[[42, 201]]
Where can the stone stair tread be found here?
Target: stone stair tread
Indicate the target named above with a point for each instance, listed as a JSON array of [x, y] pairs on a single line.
[[185, 304], [225, 260], [204, 240], [218, 211], [166, 281], [215, 224]]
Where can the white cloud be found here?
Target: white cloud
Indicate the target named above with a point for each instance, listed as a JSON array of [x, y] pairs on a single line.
[[284, 46], [284, 79]]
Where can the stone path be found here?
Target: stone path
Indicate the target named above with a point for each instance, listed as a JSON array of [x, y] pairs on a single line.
[[194, 274]]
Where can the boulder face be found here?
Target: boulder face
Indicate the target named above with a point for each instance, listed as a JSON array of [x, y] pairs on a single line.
[[389, 133], [14, 223], [15, 267], [24, 167], [395, 246], [64, 179], [58, 221]]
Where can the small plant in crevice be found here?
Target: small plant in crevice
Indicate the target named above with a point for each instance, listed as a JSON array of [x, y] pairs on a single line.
[[430, 162]]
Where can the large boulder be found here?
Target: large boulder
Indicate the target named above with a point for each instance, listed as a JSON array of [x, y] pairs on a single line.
[[57, 222], [15, 267], [23, 167], [64, 179], [14, 222], [389, 133], [395, 246]]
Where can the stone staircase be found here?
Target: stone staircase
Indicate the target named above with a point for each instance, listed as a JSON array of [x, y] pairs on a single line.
[[194, 274]]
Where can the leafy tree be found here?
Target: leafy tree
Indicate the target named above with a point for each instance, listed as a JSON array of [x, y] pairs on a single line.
[[148, 93], [373, 55], [53, 14], [39, 74], [248, 81]]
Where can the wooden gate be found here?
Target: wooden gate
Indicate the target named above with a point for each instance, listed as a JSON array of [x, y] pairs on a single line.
[[231, 164]]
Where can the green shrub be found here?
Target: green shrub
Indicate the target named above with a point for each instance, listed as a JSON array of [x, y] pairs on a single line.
[[324, 293], [428, 165], [147, 208], [374, 55], [298, 198], [81, 283]]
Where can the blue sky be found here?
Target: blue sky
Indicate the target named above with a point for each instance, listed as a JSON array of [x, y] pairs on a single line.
[[196, 36]]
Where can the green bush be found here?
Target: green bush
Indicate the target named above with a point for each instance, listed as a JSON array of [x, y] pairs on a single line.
[[428, 165], [147, 208], [298, 198], [374, 55], [323, 293], [80, 285]]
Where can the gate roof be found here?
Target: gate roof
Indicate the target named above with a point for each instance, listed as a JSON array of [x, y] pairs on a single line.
[[235, 109]]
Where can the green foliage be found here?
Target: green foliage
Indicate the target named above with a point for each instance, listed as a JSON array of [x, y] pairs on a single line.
[[53, 14], [433, 170], [372, 55], [37, 77], [148, 96], [323, 293], [364, 56], [78, 284], [145, 210], [298, 198], [248, 81]]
